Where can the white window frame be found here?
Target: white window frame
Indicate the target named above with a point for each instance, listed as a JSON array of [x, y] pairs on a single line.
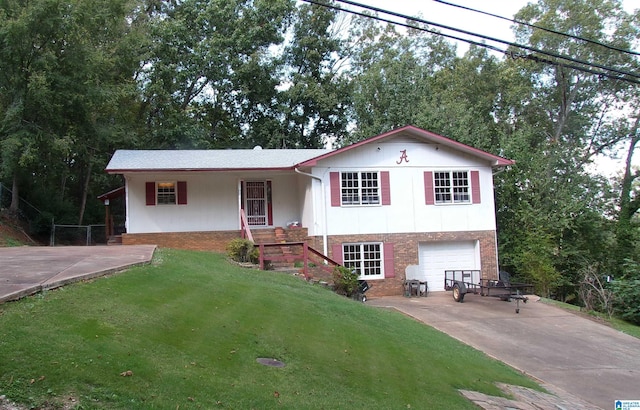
[[164, 198], [363, 191], [357, 256], [454, 191]]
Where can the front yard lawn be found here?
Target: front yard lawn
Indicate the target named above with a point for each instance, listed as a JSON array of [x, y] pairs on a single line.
[[185, 333]]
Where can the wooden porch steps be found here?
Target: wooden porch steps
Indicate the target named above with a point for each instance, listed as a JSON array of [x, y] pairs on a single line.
[[114, 240], [284, 253]]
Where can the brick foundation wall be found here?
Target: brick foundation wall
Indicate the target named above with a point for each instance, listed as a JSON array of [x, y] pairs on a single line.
[[203, 241], [198, 241], [406, 253]]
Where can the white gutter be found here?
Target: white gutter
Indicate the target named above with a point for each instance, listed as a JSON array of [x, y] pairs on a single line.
[[325, 244]]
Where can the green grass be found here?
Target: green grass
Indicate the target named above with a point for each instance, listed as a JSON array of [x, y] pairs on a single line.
[[190, 327], [616, 323], [9, 242]]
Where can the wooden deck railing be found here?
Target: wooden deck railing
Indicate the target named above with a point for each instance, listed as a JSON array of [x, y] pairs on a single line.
[[245, 231], [322, 261]]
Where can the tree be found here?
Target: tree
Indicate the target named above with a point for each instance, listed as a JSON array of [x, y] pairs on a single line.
[[62, 82], [558, 124], [209, 78], [392, 76], [316, 93]]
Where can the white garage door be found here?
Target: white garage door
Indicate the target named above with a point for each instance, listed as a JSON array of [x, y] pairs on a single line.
[[436, 257]]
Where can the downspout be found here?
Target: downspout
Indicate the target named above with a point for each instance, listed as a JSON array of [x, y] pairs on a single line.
[[325, 244]]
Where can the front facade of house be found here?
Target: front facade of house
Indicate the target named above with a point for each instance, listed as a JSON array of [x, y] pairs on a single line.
[[407, 200]]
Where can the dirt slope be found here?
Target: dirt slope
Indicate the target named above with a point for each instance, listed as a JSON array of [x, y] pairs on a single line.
[[11, 233]]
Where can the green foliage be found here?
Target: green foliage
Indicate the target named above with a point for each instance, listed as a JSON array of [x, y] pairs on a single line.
[[627, 293], [243, 250], [190, 327], [345, 281]]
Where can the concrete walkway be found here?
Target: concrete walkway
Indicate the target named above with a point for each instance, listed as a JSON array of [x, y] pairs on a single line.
[[27, 270], [591, 361]]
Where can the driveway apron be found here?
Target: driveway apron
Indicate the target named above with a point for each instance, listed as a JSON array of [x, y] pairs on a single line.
[[27, 270], [584, 358]]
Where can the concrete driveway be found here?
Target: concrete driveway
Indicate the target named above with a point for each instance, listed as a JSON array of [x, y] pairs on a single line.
[[26, 270], [588, 360]]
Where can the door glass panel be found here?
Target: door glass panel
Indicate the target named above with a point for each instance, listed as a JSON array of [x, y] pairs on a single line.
[[256, 203]]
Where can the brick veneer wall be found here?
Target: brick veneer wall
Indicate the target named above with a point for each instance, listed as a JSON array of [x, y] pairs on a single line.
[[202, 241], [406, 253], [199, 241]]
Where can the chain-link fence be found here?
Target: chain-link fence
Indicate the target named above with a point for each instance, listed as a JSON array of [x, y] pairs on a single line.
[[78, 235]]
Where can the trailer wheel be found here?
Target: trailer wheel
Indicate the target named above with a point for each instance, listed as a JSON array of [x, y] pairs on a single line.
[[458, 296]]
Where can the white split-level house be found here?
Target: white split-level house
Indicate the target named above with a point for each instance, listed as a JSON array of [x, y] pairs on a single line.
[[405, 200]]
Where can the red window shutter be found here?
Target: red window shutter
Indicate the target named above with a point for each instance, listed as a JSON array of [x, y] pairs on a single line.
[[182, 192], [389, 264], [336, 253], [269, 205], [334, 180], [475, 187], [151, 193], [385, 188], [429, 196]]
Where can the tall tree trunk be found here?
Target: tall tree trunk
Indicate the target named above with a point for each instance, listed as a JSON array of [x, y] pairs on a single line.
[[628, 207], [85, 192], [15, 196]]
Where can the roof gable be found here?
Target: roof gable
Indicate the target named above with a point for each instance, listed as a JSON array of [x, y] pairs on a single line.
[[418, 134]]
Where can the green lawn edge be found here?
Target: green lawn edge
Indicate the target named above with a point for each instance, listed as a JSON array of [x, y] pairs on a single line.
[[614, 322]]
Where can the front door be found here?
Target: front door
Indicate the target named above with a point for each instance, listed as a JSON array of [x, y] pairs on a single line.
[[257, 202]]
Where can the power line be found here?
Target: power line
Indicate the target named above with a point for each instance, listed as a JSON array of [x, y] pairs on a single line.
[[507, 53], [548, 30], [419, 20]]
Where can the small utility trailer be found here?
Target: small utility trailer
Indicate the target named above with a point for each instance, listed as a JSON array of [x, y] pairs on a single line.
[[461, 282]]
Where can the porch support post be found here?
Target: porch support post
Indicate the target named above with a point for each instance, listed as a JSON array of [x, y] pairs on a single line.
[[107, 220]]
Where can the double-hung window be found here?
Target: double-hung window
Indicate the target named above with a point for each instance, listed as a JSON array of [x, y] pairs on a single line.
[[365, 258], [360, 188], [166, 193], [451, 187]]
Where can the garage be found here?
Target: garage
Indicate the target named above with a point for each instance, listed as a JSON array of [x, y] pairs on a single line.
[[436, 257]]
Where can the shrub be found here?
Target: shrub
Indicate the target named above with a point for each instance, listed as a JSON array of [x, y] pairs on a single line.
[[243, 250], [594, 292], [627, 292], [345, 281]]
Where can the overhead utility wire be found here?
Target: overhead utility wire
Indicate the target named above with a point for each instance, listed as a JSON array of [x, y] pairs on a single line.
[[508, 53], [535, 50], [524, 23]]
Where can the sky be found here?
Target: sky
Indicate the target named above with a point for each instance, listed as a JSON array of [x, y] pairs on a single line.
[[434, 11]]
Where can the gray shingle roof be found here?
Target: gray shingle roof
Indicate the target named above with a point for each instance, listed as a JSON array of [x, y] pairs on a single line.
[[236, 159]]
